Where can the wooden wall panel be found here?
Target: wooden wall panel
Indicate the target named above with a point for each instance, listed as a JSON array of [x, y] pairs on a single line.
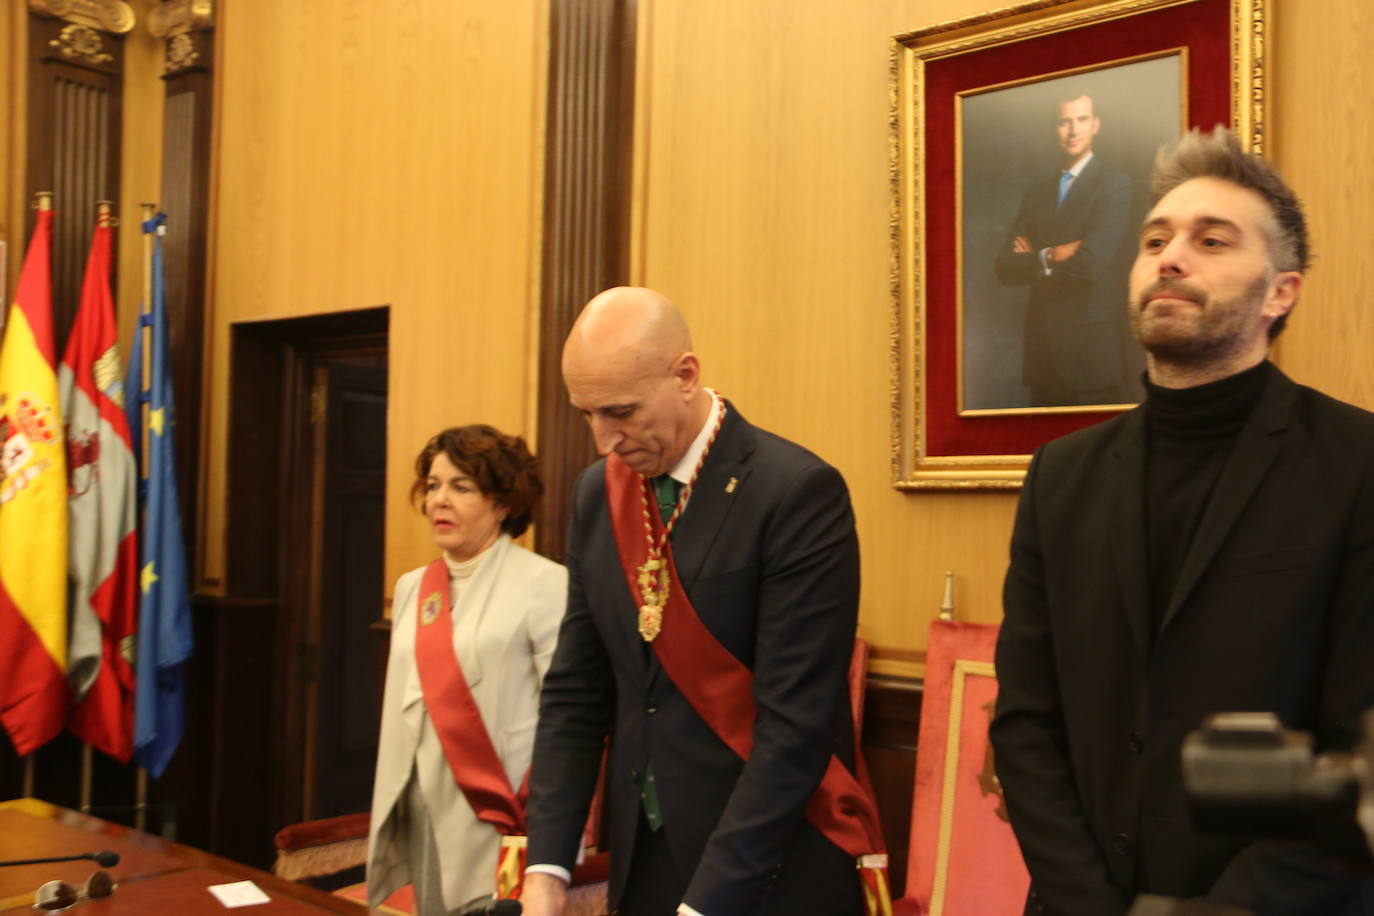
[[381, 154], [1324, 142]]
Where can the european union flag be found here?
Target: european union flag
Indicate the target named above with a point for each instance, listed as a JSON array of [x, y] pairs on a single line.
[[164, 611]]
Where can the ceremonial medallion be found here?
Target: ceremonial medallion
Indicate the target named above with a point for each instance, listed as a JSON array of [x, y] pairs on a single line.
[[653, 589], [429, 611], [650, 621]]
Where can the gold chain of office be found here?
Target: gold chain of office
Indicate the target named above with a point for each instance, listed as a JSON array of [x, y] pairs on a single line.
[[653, 572]]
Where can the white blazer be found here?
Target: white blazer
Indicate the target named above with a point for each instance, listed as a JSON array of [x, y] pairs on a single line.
[[506, 624]]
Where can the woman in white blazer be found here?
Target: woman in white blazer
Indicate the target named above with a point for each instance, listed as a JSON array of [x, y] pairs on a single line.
[[477, 488]]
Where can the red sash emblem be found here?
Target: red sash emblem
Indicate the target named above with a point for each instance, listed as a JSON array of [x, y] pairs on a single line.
[[720, 688], [472, 758]]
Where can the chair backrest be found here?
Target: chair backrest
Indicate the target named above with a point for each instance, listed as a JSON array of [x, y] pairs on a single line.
[[313, 849], [963, 860]]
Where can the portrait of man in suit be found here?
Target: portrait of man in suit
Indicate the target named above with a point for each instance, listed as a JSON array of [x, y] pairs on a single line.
[[1042, 274], [1065, 247], [1211, 550]]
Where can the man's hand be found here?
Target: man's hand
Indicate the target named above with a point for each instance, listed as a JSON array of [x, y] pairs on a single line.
[[543, 895], [1021, 245], [1065, 251]]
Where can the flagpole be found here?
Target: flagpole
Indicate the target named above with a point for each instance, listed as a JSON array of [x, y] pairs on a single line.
[[42, 202], [947, 605], [87, 762], [149, 211], [145, 383]]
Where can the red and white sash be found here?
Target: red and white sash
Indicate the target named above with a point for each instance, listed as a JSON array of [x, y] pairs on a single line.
[[476, 767]]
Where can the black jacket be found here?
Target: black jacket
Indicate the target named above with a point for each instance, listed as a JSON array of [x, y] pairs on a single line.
[[1273, 610]]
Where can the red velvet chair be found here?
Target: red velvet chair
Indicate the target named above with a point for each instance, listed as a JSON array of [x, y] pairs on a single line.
[[964, 860], [318, 848]]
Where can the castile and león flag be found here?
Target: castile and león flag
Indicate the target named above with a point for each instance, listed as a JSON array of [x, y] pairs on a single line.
[[102, 514]]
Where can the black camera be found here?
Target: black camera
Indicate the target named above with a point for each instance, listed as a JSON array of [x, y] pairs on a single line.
[[1247, 775]]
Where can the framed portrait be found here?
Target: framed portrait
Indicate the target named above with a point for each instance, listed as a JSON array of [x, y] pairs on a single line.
[[1022, 146]]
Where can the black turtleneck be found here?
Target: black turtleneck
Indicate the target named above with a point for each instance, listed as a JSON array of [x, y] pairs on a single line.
[[1190, 434]]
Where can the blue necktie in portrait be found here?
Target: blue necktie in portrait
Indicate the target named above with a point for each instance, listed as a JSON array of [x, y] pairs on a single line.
[[1065, 179]]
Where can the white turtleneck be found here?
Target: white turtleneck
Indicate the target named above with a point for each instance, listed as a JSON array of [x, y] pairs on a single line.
[[459, 573]]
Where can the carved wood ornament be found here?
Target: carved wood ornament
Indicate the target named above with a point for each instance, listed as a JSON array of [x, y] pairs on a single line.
[[178, 21], [177, 17], [113, 16], [81, 43]]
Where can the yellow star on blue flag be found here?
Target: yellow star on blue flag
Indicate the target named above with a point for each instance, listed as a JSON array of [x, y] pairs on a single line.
[[147, 578]]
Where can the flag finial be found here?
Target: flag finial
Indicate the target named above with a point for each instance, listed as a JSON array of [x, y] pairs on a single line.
[[947, 605]]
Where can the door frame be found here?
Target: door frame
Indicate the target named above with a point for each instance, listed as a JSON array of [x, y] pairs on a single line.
[[268, 515]]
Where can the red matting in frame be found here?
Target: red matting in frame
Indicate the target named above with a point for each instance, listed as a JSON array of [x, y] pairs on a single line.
[[1203, 26]]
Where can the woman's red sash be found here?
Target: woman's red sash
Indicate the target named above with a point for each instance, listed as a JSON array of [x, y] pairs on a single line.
[[476, 766], [720, 688]]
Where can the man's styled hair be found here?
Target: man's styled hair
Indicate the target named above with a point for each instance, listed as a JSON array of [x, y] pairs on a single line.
[[1219, 155], [1072, 93]]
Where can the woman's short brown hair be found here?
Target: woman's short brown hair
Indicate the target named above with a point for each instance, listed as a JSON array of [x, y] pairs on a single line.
[[502, 467]]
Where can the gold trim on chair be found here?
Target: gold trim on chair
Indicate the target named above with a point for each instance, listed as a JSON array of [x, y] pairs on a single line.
[[949, 782]]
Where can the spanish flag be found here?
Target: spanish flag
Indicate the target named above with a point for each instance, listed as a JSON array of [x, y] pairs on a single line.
[[33, 511]]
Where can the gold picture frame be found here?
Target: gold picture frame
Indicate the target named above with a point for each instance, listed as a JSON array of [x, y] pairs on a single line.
[[940, 439]]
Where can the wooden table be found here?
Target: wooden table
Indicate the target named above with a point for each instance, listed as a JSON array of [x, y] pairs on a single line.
[[154, 875]]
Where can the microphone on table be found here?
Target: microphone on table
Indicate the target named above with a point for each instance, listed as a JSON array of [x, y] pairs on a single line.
[[486, 906], [104, 858]]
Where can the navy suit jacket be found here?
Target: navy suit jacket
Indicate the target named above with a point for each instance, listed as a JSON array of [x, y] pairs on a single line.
[[1076, 316], [1273, 611], [771, 564]]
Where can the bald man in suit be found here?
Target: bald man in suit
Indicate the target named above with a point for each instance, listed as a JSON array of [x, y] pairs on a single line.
[[764, 549]]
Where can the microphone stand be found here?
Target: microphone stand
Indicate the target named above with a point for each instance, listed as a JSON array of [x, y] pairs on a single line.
[[104, 857]]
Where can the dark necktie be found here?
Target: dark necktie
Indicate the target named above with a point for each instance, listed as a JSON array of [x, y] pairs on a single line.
[[666, 492]]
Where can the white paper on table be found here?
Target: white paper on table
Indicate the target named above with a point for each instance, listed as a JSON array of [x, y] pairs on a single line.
[[239, 893]]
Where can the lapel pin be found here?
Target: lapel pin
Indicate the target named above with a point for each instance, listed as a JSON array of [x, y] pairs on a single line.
[[730, 487]]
